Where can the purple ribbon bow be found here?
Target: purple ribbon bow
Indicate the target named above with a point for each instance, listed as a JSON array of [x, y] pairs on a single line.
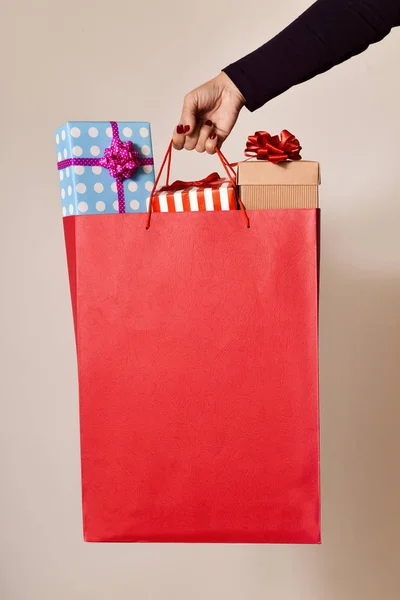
[[121, 159]]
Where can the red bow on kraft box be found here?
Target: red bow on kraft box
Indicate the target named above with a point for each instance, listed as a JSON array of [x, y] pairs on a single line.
[[273, 148], [278, 178]]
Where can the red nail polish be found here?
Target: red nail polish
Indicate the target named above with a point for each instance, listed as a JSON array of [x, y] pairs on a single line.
[[209, 123], [187, 128], [213, 136], [179, 129]]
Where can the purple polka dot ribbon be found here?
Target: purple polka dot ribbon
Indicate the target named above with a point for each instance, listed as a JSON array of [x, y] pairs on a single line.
[[120, 158]]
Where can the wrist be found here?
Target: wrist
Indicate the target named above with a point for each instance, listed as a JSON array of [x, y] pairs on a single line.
[[226, 82]]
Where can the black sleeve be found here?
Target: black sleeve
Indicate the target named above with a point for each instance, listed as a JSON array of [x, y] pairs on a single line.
[[328, 33]]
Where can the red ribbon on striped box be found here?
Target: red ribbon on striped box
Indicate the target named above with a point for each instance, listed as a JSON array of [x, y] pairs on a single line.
[[210, 193]]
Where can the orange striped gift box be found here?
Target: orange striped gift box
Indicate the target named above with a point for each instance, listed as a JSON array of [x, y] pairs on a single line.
[[212, 193]]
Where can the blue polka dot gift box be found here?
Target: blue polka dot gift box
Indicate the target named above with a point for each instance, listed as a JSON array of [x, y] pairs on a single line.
[[104, 167]]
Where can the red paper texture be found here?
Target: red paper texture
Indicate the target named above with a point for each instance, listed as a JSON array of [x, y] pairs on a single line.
[[220, 196], [197, 355]]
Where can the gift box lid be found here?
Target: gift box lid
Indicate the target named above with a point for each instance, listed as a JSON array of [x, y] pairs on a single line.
[[261, 172]]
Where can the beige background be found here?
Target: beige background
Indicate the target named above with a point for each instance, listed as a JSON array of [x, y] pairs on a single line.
[[134, 60]]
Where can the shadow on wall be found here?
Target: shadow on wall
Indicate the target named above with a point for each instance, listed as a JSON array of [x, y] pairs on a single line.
[[360, 420]]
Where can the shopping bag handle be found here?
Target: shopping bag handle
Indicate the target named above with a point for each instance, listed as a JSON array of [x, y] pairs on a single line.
[[227, 167]]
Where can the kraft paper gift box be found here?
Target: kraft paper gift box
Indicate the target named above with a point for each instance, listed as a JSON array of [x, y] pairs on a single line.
[[278, 178], [264, 185], [104, 167]]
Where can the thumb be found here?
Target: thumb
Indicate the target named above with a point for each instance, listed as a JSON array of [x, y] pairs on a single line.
[[187, 124], [189, 111]]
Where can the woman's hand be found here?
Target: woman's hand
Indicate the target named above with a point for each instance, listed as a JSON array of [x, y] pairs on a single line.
[[208, 115]]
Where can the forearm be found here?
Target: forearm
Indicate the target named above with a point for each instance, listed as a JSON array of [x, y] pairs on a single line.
[[327, 34]]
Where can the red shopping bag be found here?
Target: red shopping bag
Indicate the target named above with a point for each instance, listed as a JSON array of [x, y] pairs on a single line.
[[197, 354]]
